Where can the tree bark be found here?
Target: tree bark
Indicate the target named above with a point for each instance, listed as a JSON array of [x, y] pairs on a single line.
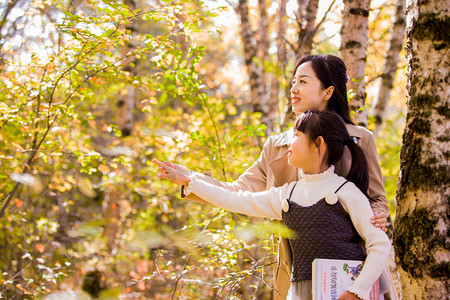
[[301, 11], [421, 236], [250, 55], [264, 41], [394, 47], [281, 62], [354, 33], [269, 110], [307, 29]]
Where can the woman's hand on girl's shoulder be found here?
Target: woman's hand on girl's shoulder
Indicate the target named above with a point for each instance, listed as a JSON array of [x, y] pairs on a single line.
[[175, 173], [348, 296]]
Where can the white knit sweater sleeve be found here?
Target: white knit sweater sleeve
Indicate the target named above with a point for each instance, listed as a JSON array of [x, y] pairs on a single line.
[[376, 241], [265, 204]]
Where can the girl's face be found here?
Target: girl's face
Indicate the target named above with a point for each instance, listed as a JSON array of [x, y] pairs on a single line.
[[307, 92], [303, 153]]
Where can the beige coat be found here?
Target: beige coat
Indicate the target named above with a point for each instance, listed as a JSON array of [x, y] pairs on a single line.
[[271, 169]]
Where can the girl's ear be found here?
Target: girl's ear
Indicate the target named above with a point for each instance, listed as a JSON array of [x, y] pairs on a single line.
[[328, 92], [319, 142]]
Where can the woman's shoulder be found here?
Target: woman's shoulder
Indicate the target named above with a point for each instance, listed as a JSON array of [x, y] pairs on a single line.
[[363, 135], [280, 139], [358, 131]]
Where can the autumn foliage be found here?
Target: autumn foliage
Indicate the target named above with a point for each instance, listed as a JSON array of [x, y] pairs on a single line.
[[80, 203]]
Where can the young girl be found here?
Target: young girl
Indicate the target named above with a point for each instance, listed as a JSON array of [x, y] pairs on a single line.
[[328, 212]]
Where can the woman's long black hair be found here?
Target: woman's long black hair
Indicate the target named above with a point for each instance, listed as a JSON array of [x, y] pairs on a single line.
[[331, 127]]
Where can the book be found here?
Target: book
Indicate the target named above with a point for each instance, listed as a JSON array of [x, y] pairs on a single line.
[[331, 277]]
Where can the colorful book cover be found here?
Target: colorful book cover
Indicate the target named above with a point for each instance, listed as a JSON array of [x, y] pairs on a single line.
[[331, 277]]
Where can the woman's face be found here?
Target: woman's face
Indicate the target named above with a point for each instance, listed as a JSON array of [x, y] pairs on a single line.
[[307, 92]]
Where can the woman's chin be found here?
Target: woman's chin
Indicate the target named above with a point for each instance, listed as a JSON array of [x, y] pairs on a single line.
[[298, 110]]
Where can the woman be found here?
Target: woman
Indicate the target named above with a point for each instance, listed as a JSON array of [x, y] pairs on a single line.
[[319, 83]]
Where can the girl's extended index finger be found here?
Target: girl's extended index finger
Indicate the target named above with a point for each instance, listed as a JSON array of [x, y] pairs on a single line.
[[157, 162], [163, 165]]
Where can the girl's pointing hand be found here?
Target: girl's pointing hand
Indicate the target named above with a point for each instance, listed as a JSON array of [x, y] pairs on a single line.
[[169, 173]]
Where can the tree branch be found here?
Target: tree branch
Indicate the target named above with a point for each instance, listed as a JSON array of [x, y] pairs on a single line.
[[393, 69], [324, 17]]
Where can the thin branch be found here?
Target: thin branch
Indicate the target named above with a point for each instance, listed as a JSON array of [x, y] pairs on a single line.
[[393, 69], [326, 39], [232, 5], [26, 168], [217, 136], [68, 70], [180, 276], [324, 17], [290, 45], [221, 289], [157, 269]]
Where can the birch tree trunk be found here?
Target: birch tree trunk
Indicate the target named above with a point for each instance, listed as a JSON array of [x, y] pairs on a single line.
[[264, 41], [354, 33], [394, 47], [250, 54], [281, 60], [268, 108], [307, 29], [421, 236], [301, 11]]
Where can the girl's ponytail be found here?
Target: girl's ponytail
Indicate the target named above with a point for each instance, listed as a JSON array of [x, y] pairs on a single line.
[[358, 173]]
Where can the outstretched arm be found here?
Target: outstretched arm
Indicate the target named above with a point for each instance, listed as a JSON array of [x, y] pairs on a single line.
[[262, 204], [254, 179]]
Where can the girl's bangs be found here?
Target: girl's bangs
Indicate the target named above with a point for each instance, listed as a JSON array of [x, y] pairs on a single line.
[[302, 122]]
